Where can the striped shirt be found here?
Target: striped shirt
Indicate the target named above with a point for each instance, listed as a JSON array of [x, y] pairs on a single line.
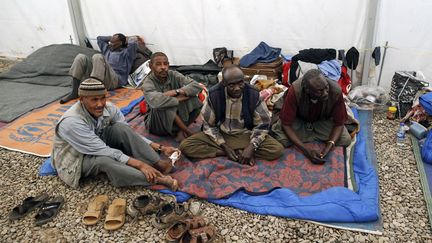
[[234, 123]]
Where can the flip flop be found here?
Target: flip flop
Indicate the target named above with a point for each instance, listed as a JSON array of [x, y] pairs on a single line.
[[116, 214], [49, 210], [28, 205], [94, 210]]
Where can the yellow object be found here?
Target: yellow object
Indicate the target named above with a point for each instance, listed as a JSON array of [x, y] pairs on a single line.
[[391, 113], [392, 109]]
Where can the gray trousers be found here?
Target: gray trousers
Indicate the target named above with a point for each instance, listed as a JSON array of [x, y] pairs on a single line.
[[201, 146], [310, 131], [83, 68], [121, 137], [161, 121]]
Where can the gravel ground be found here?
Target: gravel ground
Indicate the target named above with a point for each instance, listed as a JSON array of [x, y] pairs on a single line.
[[402, 205]]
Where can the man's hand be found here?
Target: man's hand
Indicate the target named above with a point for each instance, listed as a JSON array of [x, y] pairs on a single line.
[[326, 150], [168, 150], [149, 172], [182, 98], [231, 154], [170, 93], [247, 157], [314, 156]]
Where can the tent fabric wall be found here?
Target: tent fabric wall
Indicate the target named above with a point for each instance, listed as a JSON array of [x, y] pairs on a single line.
[[407, 26], [188, 30], [28, 25]]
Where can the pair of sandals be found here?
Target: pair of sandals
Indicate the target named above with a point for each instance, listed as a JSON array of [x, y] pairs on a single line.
[[191, 230], [148, 204], [48, 208], [173, 212], [115, 217]]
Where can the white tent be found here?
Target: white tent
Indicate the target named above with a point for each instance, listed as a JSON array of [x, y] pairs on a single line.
[[188, 30]]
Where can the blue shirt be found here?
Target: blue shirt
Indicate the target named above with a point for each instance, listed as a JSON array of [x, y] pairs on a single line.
[[120, 60]]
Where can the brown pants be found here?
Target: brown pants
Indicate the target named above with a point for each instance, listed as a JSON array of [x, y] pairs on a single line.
[[83, 68], [309, 132], [201, 146]]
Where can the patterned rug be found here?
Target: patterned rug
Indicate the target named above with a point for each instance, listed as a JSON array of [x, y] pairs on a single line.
[[219, 177], [33, 133]]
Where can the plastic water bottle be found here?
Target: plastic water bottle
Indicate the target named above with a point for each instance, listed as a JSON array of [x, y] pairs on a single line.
[[400, 136]]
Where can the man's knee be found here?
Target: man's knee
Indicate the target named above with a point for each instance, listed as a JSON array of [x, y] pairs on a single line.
[[81, 58], [345, 139], [119, 129], [97, 57]]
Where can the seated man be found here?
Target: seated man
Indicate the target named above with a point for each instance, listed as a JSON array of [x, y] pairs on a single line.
[[171, 97], [236, 123], [313, 110], [93, 137], [112, 67]]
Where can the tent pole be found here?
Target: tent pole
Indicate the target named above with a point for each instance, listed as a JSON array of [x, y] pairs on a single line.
[[382, 63], [77, 21], [370, 39]]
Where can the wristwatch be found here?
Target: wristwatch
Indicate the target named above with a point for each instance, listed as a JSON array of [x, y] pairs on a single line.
[[255, 145], [177, 92], [159, 149]]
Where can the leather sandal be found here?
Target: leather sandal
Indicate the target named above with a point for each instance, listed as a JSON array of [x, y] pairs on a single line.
[[116, 214], [173, 212], [27, 206], [178, 229], [94, 210], [147, 204], [202, 235]]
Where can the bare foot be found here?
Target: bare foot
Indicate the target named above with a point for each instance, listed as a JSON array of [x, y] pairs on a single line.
[[168, 181], [164, 166]]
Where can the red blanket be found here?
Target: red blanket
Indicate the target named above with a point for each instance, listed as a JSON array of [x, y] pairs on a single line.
[[219, 177]]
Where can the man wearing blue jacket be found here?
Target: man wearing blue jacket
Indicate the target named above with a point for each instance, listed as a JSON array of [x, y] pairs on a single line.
[[111, 67]]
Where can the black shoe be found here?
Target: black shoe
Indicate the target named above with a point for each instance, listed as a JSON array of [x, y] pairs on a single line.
[[74, 94]]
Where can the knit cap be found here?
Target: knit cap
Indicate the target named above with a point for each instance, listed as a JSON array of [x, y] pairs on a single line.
[[91, 87]]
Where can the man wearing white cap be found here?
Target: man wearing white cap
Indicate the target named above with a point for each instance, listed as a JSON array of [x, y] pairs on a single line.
[[93, 137]]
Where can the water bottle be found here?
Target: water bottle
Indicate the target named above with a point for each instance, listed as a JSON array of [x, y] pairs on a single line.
[[400, 136]]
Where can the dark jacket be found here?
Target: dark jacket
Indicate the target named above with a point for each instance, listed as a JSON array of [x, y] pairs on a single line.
[[249, 103]]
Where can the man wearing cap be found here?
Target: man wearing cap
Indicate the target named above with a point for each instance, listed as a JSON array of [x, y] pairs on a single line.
[[235, 123], [112, 67], [172, 99], [93, 137], [313, 110]]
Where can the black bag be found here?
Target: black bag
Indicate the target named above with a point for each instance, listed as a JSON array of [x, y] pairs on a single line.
[[220, 54], [404, 87]]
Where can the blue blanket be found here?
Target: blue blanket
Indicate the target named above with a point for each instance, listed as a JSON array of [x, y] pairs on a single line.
[[337, 204]]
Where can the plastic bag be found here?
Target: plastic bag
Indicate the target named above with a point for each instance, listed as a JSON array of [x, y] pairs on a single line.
[[367, 97]]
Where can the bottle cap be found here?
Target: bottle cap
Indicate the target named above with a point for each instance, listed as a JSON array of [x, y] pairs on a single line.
[[392, 109]]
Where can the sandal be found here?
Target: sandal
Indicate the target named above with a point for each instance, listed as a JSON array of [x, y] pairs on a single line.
[[173, 212], [116, 214], [28, 205], [177, 230], [201, 235], [147, 204], [94, 210], [49, 210]]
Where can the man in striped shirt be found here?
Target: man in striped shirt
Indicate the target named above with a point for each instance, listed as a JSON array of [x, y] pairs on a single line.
[[235, 123]]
